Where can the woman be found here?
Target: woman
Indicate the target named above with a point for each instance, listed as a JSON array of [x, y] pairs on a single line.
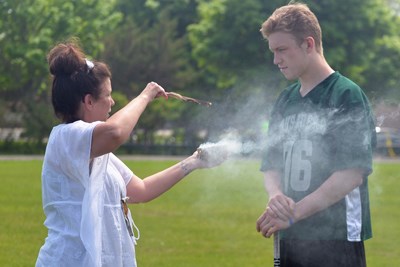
[[85, 186]]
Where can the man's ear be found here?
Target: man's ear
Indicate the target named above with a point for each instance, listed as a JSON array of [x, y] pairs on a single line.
[[309, 43]]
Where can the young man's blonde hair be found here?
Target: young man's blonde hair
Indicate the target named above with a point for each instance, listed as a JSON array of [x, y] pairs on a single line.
[[297, 19]]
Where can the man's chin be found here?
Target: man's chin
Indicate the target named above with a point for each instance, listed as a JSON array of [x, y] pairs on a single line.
[[290, 77]]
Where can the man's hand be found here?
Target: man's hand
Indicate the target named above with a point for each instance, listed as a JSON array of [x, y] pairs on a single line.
[[278, 215], [268, 223], [282, 207]]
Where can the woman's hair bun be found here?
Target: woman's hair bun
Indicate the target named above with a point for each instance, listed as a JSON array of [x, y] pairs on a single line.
[[66, 59]]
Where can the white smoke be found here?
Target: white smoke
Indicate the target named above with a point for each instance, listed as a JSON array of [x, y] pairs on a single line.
[[230, 145]]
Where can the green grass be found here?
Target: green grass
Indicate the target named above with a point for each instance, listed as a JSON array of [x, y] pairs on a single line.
[[206, 220]]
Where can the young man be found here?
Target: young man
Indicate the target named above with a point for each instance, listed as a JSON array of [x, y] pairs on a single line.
[[319, 151]]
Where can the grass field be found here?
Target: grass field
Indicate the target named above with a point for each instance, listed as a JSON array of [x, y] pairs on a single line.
[[207, 220]]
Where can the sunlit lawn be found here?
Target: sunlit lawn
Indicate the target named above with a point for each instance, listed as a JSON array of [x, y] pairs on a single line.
[[206, 220]]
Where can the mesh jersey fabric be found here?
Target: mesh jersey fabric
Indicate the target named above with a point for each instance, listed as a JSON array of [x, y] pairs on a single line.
[[309, 138]]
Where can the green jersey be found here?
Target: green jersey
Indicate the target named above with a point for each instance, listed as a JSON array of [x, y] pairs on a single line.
[[309, 138]]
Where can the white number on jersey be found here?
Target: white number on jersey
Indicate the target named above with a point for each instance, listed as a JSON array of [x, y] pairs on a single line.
[[297, 164]]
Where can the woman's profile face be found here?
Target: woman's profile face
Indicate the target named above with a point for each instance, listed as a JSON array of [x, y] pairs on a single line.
[[102, 105]]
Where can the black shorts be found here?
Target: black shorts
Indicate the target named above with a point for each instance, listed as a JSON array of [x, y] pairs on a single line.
[[322, 253]]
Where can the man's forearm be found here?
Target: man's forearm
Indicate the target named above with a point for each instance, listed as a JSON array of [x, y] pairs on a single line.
[[272, 183], [338, 185]]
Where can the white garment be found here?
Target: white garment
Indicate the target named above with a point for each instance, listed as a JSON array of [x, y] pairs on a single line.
[[86, 226]]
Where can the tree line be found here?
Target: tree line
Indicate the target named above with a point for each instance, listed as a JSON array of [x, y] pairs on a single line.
[[207, 49]]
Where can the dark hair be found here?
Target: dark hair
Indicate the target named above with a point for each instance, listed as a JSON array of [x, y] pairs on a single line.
[[73, 78]]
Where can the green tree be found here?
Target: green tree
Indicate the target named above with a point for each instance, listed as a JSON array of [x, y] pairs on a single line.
[[362, 40], [150, 45], [209, 49], [28, 29], [226, 39], [234, 60]]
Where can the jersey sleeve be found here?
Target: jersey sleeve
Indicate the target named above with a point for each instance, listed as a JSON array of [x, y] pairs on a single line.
[[353, 130]]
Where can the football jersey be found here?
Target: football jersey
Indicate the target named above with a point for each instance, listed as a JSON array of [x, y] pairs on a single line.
[[309, 138]]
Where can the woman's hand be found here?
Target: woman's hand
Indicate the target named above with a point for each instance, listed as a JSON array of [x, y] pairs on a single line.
[[210, 160], [153, 90], [194, 162]]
